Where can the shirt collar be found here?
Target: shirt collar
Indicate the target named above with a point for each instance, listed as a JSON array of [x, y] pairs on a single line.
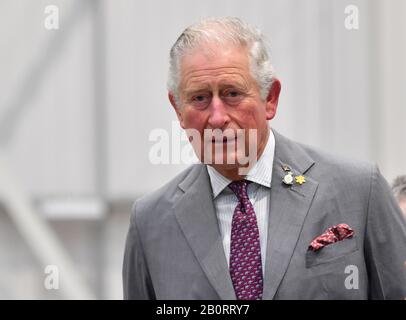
[[260, 173]]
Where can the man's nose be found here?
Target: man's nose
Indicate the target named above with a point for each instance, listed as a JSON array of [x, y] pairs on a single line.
[[218, 113]]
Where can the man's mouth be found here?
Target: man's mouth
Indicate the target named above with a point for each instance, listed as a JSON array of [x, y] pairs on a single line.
[[223, 140]]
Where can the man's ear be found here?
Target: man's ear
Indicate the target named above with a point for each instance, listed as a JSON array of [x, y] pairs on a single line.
[[176, 108], [272, 99]]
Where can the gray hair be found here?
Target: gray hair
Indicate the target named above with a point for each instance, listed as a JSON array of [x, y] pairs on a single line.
[[399, 187], [228, 30]]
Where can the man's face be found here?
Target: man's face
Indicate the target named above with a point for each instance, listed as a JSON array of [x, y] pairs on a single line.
[[217, 91]]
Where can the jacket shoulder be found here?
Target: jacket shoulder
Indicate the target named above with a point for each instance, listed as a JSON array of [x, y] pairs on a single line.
[[341, 176], [160, 200], [318, 162], [337, 163]]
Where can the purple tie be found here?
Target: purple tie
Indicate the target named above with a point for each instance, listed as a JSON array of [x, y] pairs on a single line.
[[245, 251]]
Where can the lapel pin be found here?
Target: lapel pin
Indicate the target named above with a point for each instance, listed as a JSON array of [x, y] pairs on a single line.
[[288, 179], [300, 179], [285, 168]]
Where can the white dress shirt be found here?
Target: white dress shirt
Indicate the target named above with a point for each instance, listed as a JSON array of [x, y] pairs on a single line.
[[225, 200]]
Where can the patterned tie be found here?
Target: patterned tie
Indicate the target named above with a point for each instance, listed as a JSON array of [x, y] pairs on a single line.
[[245, 252]]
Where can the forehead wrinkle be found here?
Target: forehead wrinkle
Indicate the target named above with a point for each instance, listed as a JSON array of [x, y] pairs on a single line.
[[205, 80], [214, 71]]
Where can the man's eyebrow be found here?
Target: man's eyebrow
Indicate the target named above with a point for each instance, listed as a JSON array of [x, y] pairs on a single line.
[[197, 88], [234, 85]]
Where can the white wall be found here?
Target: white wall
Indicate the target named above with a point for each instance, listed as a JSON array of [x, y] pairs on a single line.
[[342, 90]]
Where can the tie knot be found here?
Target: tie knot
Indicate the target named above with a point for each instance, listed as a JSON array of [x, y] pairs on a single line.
[[240, 188]]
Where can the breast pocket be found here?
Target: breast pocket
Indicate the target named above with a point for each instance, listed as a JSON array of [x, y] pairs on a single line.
[[331, 252]]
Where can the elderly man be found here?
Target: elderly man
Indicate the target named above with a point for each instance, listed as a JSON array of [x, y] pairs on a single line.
[[268, 218]]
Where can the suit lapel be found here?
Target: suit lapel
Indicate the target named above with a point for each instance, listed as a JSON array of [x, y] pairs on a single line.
[[288, 209], [196, 216]]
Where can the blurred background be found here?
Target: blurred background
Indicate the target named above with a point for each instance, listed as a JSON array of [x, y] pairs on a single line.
[[78, 104]]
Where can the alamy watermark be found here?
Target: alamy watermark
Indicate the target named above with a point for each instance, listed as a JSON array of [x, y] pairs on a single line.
[[351, 21], [212, 146], [351, 281], [51, 21], [51, 281]]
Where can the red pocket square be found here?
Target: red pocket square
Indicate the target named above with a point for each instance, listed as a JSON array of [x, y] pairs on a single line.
[[333, 234]]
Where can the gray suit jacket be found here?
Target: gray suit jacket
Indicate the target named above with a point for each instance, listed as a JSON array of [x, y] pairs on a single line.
[[174, 249]]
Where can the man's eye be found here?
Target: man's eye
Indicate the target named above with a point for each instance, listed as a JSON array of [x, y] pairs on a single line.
[[200, 100], [233, 94], [233, 97]]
